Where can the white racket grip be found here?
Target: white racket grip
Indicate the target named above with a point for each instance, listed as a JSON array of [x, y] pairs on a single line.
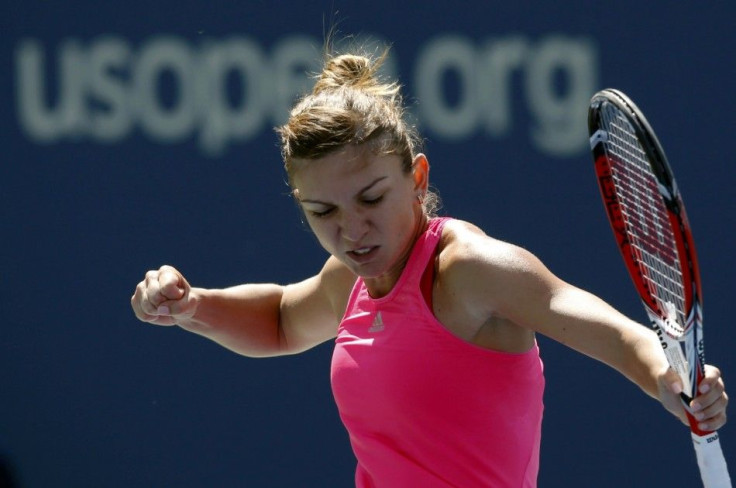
[[712, 464]]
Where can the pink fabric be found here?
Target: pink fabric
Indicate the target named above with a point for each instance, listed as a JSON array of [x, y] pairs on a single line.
[[424, 408]]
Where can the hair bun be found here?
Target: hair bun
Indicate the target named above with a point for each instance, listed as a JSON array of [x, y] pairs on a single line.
[[347, 70]]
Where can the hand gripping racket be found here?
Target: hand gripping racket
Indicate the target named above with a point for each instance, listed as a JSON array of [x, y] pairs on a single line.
[[652, 231]]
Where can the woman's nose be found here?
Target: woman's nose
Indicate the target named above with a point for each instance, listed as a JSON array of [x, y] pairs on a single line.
[[353, 226]]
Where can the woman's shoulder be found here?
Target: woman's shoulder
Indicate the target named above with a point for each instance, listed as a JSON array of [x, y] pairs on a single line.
[[463, 241], [469, 254], [336, 276], [484, 273]]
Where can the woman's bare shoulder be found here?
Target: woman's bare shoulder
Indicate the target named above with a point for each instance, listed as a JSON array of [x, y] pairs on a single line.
[[336, 280], [464, 243], [488, 272]]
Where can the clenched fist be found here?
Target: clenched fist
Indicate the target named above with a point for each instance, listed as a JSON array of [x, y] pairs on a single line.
[[163, 297]]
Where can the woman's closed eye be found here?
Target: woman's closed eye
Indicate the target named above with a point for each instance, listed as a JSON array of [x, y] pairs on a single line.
[[320, 212], [372, 201]]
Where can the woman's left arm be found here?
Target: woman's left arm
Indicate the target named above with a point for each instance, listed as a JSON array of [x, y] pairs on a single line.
[[588, 324], [514, 284]]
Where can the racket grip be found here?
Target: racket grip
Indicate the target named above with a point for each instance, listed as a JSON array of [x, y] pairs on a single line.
[[712, 464]]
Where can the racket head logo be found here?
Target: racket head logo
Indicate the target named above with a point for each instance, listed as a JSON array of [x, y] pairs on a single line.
[[600, 136]]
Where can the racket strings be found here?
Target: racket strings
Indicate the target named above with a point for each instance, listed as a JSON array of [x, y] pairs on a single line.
[[645, 216]]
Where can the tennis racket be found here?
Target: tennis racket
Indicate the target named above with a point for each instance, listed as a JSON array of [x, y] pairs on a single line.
[[652, 231]]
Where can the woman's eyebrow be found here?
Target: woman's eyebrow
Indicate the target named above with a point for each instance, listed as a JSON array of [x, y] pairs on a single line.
[[362, 190]]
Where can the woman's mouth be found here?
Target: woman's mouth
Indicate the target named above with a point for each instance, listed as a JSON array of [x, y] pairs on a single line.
[[362, 254]]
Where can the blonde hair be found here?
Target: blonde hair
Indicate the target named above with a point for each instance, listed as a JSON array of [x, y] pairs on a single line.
[[350, 105]]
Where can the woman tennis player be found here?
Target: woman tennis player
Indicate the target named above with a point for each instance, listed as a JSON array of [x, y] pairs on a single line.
[[436, 370]]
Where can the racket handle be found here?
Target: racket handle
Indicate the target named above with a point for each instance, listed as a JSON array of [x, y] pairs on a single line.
[[713, 469]]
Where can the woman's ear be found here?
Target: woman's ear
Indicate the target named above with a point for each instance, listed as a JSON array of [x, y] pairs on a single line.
[[420, 173]]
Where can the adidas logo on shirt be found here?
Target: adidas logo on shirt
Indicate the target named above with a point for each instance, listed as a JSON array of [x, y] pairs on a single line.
[[377, 324]]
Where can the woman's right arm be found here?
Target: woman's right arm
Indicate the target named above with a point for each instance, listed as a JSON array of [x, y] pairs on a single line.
[[255, 320]]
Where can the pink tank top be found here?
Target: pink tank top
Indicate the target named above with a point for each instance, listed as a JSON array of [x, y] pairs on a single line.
[[424, 408]]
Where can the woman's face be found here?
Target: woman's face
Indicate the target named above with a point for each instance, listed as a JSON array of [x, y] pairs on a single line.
[[364, 210]]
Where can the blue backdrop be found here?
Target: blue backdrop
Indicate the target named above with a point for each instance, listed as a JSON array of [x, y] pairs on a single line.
[[139, 133]]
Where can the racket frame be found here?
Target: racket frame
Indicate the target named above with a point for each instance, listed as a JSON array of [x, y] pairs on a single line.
[[680, 333]]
